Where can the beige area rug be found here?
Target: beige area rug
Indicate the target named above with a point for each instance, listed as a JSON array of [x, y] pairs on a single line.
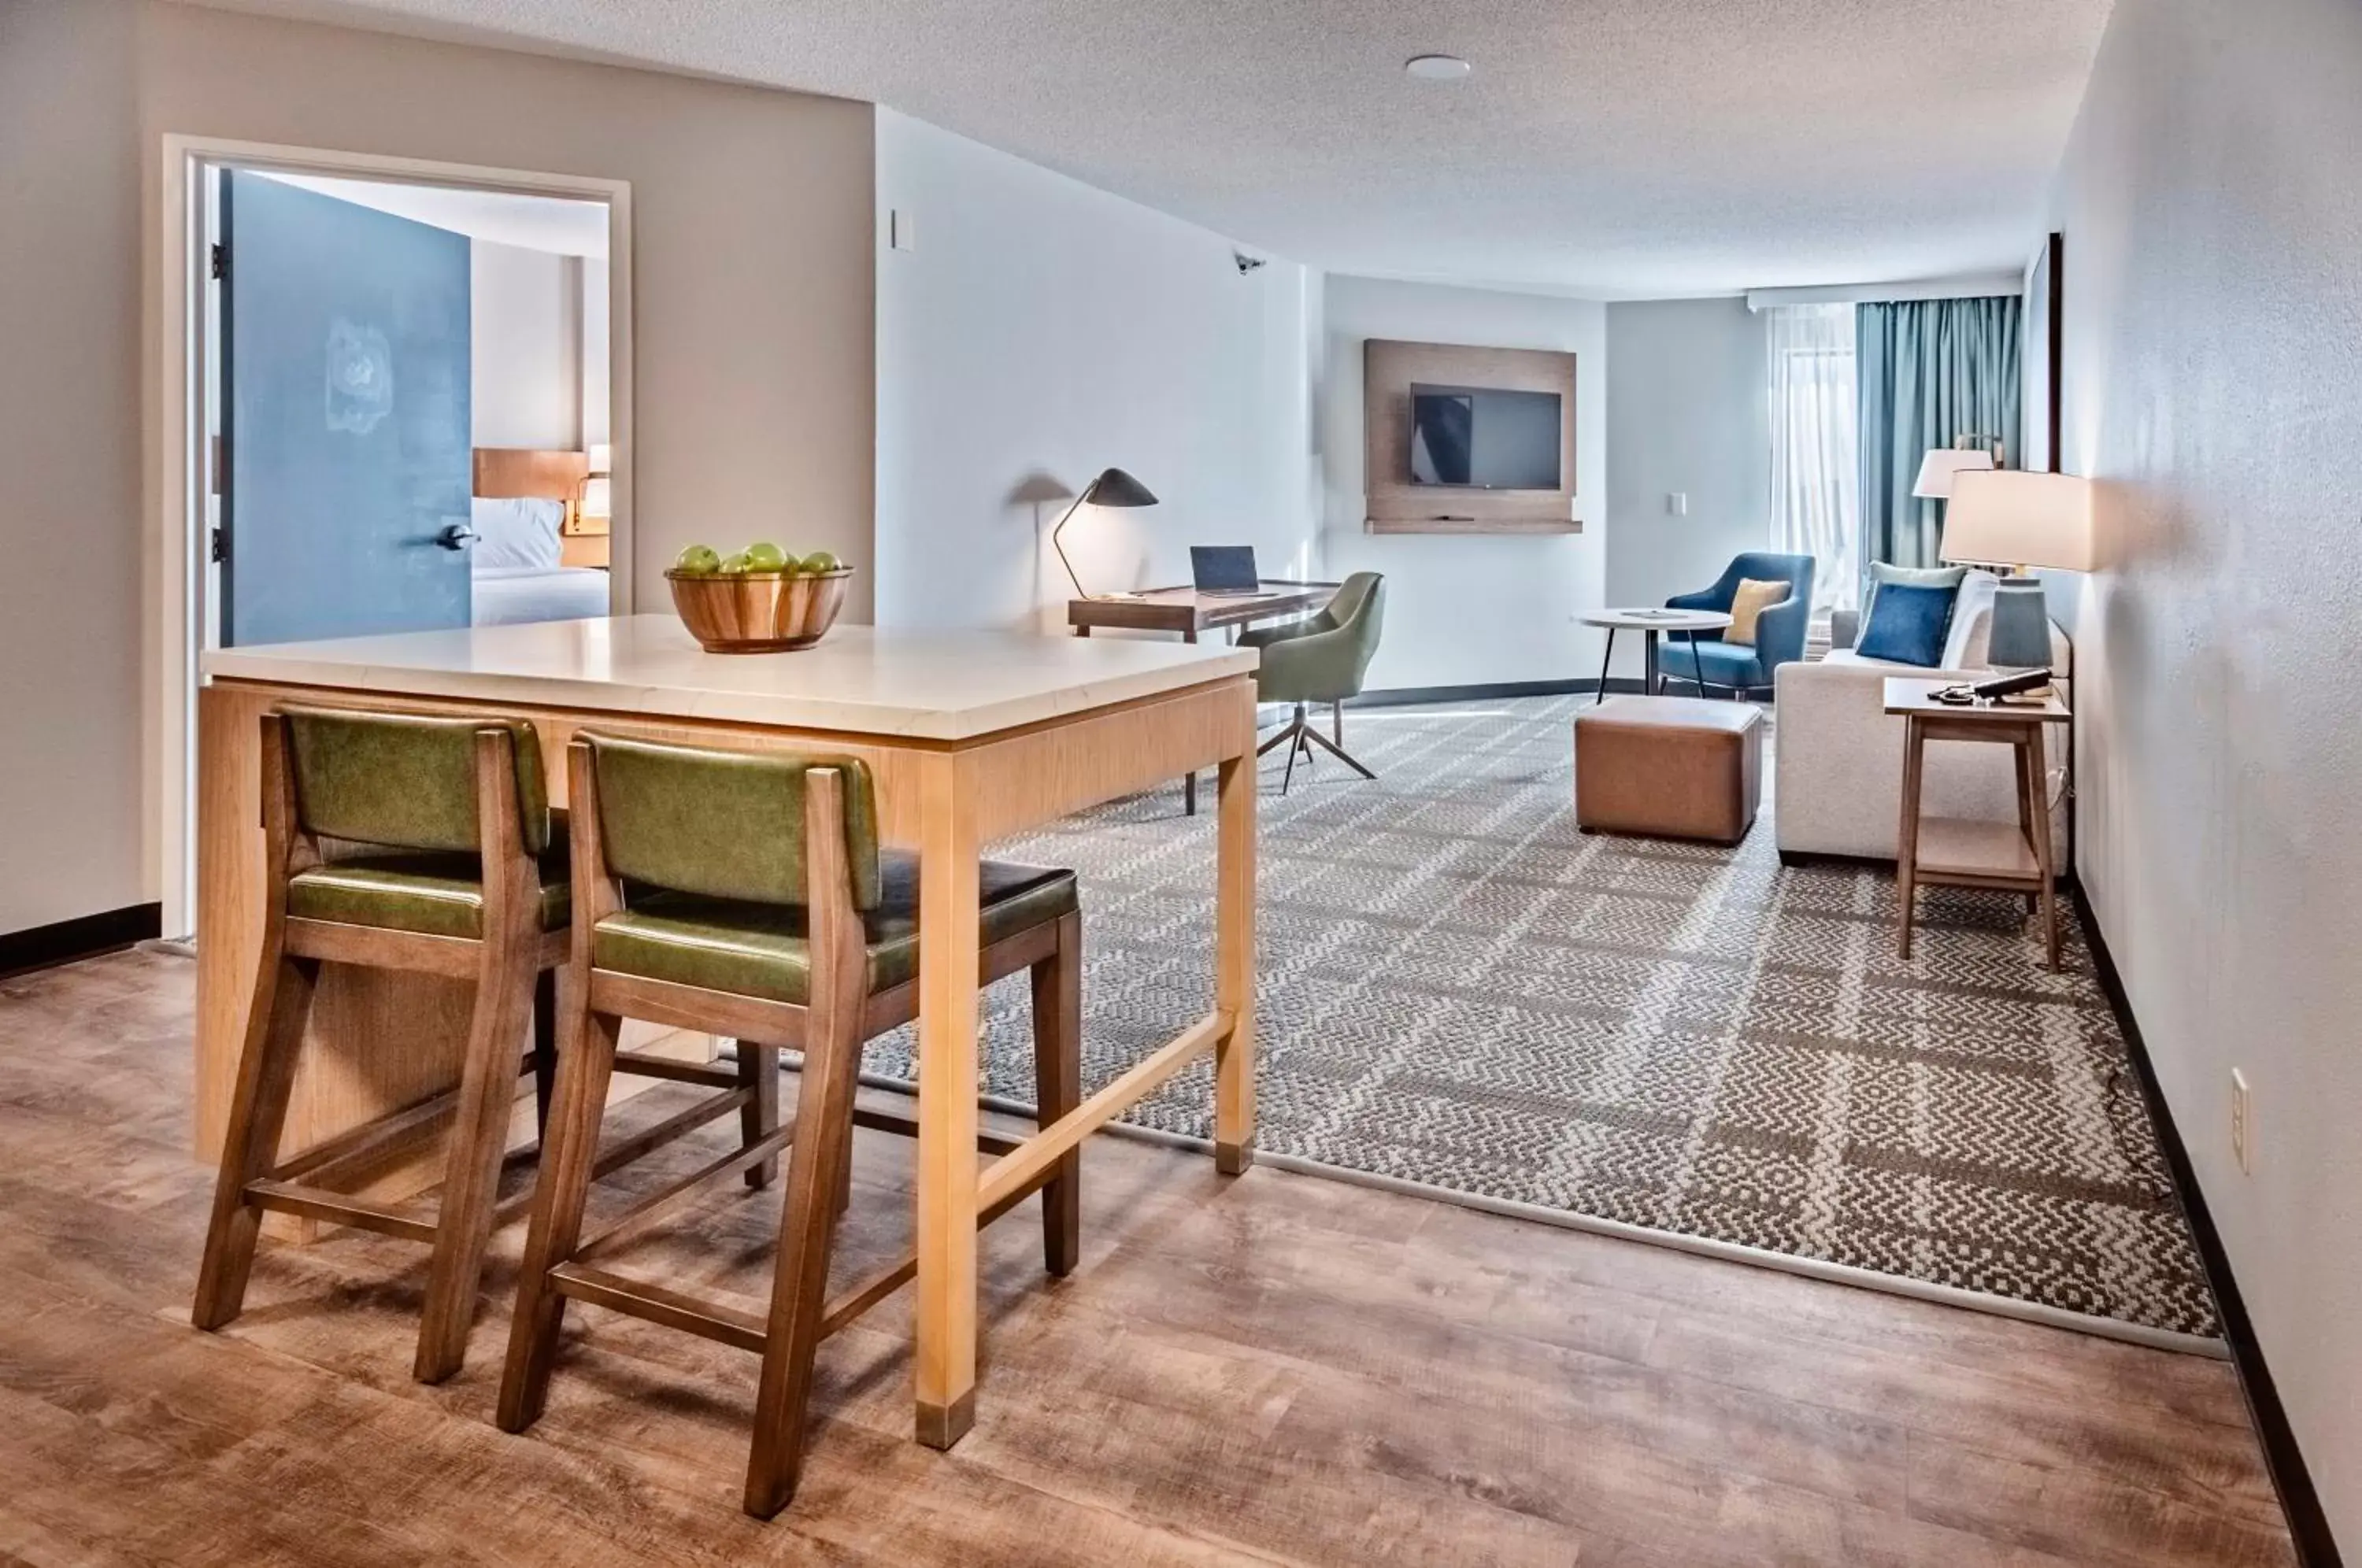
[[1459, 992]]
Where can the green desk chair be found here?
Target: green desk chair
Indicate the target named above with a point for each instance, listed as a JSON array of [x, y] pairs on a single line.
[[1321, 659], [746, 894]]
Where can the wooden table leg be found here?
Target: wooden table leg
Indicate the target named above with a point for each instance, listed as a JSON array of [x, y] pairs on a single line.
[[1906, 842], [1234, 966], [948, 1101], [2036, 769], [1189, 779], [2025, 813]]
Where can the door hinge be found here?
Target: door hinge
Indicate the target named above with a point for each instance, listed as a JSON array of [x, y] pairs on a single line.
[[217, 547], [220, 260]]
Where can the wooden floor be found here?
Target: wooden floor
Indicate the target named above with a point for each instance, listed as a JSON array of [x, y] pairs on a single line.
[[1279, 1369]]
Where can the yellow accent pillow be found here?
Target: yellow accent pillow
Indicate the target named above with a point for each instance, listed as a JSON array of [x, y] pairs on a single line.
[[1752, 598]]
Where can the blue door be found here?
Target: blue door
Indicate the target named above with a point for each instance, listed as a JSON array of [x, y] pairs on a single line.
[[344, 418]]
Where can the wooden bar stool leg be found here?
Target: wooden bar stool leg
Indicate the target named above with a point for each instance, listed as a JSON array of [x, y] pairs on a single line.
[[758, 1073], [471, 1161], [1058, 1087], [545, 1049], [816, 1157], [586, 1061], [266, 1073], [800, 1281]]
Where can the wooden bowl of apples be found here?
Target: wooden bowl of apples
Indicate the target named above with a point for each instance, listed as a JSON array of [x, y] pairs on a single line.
[[761, 599]]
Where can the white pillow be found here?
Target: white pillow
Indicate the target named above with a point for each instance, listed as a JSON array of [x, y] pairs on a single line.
[[1971, 628], [517, 531]]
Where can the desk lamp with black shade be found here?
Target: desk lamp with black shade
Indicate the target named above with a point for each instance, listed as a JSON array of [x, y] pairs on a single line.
[[1112, 488]]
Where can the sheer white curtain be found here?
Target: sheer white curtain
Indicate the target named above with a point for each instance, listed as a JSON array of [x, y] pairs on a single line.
[[1815, 484]]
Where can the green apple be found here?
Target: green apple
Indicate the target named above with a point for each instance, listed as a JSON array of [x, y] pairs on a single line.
[[765, 556], [819, 561], [698, 559], [736, 566]]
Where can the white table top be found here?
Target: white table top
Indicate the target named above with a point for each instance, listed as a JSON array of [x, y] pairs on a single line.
[[859, 680], [1658, 620]]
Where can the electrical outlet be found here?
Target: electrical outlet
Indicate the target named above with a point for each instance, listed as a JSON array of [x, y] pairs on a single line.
[[2243, 1123]]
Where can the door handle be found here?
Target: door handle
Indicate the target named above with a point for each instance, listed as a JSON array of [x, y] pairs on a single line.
[[455, 537]]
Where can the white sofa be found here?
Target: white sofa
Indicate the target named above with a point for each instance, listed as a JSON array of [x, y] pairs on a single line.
[[1838, 757]]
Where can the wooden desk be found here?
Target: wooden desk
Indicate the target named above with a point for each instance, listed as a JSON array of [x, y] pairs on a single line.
[[1188, 611], [1957, 852], [972, 738]]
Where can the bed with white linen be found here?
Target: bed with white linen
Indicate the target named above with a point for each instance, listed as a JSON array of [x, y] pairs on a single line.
[[505, 595], [516, 563]]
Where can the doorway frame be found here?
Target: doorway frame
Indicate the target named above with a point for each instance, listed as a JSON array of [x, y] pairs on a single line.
[[174, 562]]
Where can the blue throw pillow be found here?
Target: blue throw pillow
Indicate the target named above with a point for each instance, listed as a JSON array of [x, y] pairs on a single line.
[[1884, 572], [1908, 623]]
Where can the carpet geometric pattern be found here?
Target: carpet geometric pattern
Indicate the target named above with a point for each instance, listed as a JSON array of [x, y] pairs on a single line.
[[1456, 988]]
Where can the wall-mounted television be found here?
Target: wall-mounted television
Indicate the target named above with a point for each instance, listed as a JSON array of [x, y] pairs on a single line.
[[1480, 439]]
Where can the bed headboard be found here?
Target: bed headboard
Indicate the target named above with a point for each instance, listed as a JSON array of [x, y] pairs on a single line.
[[503, 472]]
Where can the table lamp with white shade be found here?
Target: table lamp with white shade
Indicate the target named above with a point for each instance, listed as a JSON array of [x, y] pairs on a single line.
[[2012, 519], [1942, 466]]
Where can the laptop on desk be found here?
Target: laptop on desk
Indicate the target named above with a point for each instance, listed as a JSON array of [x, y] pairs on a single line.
[[1224, 570]]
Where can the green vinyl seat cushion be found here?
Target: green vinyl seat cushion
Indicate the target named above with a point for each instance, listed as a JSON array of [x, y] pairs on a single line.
[[434, 893], [759, 949]]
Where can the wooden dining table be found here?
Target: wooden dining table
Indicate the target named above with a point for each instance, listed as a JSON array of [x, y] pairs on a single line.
[[972, 738]]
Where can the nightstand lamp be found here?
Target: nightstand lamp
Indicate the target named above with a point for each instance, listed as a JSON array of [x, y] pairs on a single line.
[[2012, 519]]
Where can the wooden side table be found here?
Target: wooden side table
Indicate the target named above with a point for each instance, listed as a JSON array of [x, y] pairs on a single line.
[[1961, 852]]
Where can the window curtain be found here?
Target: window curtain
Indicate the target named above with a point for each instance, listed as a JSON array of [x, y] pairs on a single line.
[[1814, 472], [1930, 370]]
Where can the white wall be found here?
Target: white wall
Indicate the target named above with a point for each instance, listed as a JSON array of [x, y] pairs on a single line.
[[69, 462], [2214, 385], [1041, 330], [1468, 609], [1688, 411], [597, 334], [525, 346], [753, 369]]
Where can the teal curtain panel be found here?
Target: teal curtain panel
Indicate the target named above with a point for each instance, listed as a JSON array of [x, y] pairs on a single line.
[[1928, 370]]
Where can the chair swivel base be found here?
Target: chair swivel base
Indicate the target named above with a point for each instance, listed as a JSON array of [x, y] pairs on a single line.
[[1302, 737]]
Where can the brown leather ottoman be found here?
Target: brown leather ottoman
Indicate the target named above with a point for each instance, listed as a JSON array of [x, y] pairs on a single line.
[[1669, 767]]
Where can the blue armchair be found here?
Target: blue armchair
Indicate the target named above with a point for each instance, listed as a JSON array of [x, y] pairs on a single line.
[[1778, 630]]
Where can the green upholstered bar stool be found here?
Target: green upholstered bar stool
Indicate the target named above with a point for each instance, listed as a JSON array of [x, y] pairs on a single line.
[[746, 894], [1320, 659], [410, 843]]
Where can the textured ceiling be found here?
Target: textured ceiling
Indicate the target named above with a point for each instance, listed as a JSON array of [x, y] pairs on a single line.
[[1607, 146]]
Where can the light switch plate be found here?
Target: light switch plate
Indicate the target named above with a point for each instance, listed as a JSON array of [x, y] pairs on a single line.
[[901, 232], [1678, 502]]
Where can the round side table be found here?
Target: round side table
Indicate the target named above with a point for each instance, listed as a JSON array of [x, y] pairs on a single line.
[[1650, 623]]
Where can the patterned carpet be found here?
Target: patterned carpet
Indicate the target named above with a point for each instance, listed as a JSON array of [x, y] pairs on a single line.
[[1458, 990]]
